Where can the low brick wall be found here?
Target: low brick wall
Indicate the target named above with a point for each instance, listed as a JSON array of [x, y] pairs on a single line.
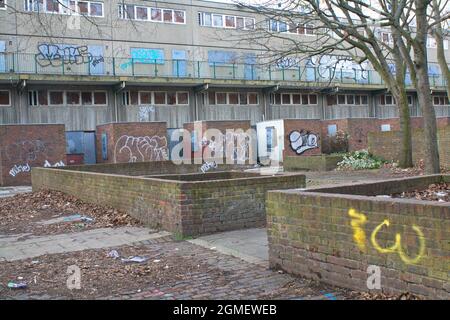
[[187, 208], [314, 163], [386, 145], [23, 147], [332, 237]]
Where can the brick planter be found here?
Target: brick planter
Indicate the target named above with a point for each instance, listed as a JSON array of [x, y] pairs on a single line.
[[186, 204], [334, 234], [314, 163]]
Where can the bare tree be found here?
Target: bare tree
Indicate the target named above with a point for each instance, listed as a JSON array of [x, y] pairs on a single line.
[[380, 32]]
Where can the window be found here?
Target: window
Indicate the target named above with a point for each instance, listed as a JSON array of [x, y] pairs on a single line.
[[332, 130], [171, 98], [385, 127], [56, 98], [52, 6], [34, 5], [286, 99], [141, 13], [282, 27], [253, 98], [5, 99], [221, 98], [73, 98], [182, 98], [441, 101], [33, 98], [233, 98], [126, 99], [243, 99], [313, 99], [309, 29], [179, 16], [160, 98], [168, 15], [211, 98], [230, 22], [352, 99], [217, 20], [207, 19], [296, 99], [96, 9], [83, 7], [86, 98], [2, 4], [100, 98], [156, 14], [305, 99], [145, 97]]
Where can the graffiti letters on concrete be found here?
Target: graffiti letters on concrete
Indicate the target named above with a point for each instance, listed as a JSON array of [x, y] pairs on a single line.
[[301, 141], [239, 145], [359, 235], [55, 55], [26, 150], [331, 67], [18, 169], [208, 166], [144, 113], [139, 149]]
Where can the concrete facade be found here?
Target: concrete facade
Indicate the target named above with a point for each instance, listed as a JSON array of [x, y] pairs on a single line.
[[170, 68]]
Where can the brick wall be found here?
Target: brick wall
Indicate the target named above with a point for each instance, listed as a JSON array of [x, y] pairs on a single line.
[[184, 207], [386, 145], [23, 147], [132, 142], [312, 234]]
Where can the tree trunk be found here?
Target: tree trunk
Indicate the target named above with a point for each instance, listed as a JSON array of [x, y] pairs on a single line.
[[424, 91]]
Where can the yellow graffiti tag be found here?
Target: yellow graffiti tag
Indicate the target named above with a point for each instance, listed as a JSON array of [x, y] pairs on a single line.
[[359, 235], [397, 247], [358, 220]]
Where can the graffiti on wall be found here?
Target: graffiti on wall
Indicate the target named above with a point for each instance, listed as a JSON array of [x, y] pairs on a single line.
[[55, 55], [359, 235], [303, 140], [208, 166], [239, 144], [144, 113], [332, 67], [19, 168], [47, 164], [26, 150], [139, 149]]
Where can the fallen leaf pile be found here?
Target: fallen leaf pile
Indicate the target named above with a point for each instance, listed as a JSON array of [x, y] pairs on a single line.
[[435, 192], [23, 212]]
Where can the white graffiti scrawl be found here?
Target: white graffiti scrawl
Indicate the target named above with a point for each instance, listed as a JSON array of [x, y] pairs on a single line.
[[301, 141], [19, 168], [139, 149]]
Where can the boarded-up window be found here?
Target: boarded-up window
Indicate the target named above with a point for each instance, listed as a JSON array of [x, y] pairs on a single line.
[[56, 97], [100, 98], [296, 99], [171, 98], [233, 98], [286, 99], [4, 98], [243, 99], [160, 98], [312, 99], [183, 98], [134, 98], [230, 22], [212, 98], [42, 96], [73, 98], [252, 98], [221, 98], [86, 98], [145, 97]]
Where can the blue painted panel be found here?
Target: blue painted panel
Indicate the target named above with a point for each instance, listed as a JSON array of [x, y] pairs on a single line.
[[149, 56], [222, 57], [74, 142], [89, 150], [96, 65], [2, 56], [249, 70], [104, 146], [179, 63]]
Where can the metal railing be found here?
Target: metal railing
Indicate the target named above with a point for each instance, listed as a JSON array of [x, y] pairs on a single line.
[[52, 64]]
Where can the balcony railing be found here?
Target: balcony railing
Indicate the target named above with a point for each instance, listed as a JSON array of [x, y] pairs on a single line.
[[52, 64]]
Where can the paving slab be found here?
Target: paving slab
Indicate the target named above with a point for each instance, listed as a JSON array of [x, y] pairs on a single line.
[[250, 245], [13, 248]]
